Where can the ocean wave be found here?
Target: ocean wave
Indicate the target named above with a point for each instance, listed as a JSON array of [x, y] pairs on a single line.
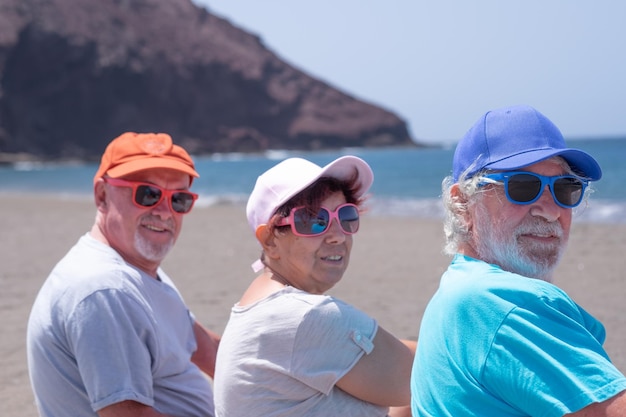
[[596, 211]]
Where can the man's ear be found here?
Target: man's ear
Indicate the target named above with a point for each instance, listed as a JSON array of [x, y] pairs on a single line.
[[456, 194], [267, 240], [458, 197], [100, 194]]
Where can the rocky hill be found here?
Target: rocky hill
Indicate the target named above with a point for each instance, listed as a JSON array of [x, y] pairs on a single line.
[[76, 73]]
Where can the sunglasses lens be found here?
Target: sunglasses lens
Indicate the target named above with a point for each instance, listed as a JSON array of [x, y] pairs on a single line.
[[307, 224], [523, 188], [349, 219], [147, 196], [182, 202], [568, 191]]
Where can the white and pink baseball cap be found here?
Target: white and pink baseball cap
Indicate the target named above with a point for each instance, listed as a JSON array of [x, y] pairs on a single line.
[[283, 181]]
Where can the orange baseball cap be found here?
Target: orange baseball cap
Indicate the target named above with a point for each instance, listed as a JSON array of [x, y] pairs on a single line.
[[132, 152]]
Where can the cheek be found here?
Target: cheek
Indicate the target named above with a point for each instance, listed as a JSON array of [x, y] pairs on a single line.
[[349, 242], [565, 220], [305, 246], [122, 220], [502, 212], [178, 224], [293, 247], [122, 227]]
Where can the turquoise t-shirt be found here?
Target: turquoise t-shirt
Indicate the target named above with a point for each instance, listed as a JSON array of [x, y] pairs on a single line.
[[493, 343]]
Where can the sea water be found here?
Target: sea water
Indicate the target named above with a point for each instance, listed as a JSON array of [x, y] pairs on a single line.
[[407, 180]]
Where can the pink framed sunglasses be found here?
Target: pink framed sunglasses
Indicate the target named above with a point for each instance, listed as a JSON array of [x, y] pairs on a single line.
[[149, 195], [305, 223]]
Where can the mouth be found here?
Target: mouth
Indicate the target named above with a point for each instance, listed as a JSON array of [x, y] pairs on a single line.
[[540, 235], [333, 258], [156, 228], [541, 232], [541, 239]]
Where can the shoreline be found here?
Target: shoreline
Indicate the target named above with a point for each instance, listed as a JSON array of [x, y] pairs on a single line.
[[598, 212]]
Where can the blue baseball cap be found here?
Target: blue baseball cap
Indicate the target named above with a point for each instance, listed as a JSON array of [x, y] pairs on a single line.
[[510, 138]]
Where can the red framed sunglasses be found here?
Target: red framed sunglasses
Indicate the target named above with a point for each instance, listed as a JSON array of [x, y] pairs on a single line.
[[149, 195], [305, 223]]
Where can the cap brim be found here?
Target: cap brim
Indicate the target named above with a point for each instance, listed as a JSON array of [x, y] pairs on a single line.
[[581, 162], [149, 163]]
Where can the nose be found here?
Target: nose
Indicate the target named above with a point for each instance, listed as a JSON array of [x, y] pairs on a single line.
[[546, 207], [163, 208], [335, 233]]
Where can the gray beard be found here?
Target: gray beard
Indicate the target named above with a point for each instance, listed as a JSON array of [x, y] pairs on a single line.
[[150, 251], [534, 260]]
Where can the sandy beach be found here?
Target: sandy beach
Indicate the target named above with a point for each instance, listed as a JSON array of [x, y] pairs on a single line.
[[395, 268]]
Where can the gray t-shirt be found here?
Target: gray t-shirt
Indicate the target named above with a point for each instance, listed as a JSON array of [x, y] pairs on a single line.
[[101, 332], [283, 355]]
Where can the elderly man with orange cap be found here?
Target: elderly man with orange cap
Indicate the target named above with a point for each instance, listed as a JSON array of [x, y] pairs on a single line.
[[109, 334]]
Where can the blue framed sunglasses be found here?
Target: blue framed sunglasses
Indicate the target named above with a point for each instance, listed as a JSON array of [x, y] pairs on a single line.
[[523, 187]]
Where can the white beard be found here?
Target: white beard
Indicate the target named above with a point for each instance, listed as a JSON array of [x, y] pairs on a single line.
[[150, 251], [503, 248]]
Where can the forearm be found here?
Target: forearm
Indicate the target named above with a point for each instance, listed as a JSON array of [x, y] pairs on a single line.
[[411, 344], [383, 376], [404, 411], [205, 355], [130, 409]]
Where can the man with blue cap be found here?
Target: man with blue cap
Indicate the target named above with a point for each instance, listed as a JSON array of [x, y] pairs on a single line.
[[498, 338]]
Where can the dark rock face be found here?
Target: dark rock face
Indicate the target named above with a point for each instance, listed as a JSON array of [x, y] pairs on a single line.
[[74, 74]]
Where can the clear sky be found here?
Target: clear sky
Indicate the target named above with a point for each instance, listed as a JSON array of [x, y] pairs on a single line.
[[441, 64]]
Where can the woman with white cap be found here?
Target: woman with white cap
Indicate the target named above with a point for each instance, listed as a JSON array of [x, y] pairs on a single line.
[[289, 349]]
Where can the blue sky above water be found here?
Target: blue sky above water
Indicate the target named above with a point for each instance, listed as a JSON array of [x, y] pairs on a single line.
[[440, 65]]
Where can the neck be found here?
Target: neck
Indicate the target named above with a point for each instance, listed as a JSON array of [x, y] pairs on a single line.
[[278, 277]]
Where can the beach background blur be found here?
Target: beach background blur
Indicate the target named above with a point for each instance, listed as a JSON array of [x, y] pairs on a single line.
[[395, 266], [407, 180], [439, 65]]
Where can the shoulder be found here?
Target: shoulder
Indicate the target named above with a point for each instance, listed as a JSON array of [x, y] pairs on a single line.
[[291, 314], [475, 292], [315, 306], [469, 279], [91, 268], [332, 317], [307, 313]]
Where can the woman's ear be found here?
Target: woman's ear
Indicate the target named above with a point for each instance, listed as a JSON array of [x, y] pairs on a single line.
[[267, 239]]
